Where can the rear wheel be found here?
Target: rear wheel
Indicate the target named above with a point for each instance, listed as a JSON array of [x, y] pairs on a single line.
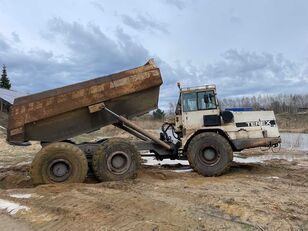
[[116, 159], [59, 163], [209, 154]]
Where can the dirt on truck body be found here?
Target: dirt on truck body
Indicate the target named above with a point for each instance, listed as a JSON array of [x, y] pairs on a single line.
[[53, 115]]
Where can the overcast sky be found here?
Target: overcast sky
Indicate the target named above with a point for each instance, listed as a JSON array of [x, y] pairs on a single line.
[[245, 47]]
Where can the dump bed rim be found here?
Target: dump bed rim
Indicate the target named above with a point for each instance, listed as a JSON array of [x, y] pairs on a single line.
[[150, 65], [57, 101]]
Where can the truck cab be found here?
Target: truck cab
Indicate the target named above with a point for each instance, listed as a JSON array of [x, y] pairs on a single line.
[[198, 111], [208, 136], [196, 106]]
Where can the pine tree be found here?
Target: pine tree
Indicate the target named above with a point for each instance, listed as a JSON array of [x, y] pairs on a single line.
[[4, 81], [158, 114]]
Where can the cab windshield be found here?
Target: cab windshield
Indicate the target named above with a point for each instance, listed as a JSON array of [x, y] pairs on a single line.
[[195, 101]]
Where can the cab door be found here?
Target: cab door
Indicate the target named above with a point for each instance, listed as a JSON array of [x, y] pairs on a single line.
[[195, 105]]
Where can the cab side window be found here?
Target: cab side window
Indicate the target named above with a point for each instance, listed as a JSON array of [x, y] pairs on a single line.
[[189, 102], [199, 101], [206, 100]]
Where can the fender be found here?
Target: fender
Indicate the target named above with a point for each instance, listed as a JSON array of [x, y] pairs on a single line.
[[191, 133]]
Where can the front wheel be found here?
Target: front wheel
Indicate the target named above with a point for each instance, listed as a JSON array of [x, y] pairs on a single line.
[[209, 154]]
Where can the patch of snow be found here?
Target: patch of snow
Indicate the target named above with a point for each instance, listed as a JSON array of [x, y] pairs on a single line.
[[19, 195], [152, 161], [182, 170], [23, 163], [273, 177], [183, 164], [263, 158], [12, 207]]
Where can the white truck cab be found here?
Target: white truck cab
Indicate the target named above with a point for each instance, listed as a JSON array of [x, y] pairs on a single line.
[[198, 111]]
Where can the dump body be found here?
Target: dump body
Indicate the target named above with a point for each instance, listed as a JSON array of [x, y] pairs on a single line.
[[65, 112]]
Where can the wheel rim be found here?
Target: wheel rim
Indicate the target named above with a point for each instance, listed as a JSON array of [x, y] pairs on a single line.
[[118, 162], [209, 156], [59, 170]]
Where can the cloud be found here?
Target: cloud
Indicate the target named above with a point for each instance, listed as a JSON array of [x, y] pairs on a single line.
[[33, 70], [90, 53], [90, 47], [237, 74], [143, 23], [235, 19], [249, 73], [177, 3], [4, 46], [15, 37], [98, 6]]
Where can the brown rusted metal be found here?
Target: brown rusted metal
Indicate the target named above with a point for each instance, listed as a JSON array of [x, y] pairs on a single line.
[[68, 107], [96, 107], [241, 144]]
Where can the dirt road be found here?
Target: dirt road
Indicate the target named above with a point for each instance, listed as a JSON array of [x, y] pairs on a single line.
[[270, 195]]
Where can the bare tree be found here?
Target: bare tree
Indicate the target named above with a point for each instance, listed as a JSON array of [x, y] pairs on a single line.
[[278, 103], [171, 110]]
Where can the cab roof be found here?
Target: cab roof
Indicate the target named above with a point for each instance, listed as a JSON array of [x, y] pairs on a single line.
[[199, 88]]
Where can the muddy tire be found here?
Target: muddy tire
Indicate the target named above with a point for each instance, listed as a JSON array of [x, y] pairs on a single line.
[[116, 159], [209, 154], [59, 163]]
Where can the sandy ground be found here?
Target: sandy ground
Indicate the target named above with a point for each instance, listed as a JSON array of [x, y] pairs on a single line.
[[272, 195]]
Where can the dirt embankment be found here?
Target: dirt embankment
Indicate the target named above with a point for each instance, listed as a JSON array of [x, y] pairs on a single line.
[[297, 122]]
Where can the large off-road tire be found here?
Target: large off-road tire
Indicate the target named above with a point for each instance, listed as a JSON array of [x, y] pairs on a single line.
[[59, 163], [116, 159], [209, 154]]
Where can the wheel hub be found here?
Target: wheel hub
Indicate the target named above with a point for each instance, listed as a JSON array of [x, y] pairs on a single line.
[[59, 170], [118, 162], [209, 156]]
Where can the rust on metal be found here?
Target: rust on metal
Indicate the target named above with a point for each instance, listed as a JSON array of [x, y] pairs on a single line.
[[96, 107], [38, 108], [241, 144], [16, 131]]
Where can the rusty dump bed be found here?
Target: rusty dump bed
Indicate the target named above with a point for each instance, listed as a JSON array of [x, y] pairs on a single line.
[[65, 112]]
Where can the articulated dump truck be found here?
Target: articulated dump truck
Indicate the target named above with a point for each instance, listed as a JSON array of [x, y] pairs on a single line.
[[200, 133]]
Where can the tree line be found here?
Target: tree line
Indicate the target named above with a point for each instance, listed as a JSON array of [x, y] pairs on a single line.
[[290, 103], [281, 103]]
